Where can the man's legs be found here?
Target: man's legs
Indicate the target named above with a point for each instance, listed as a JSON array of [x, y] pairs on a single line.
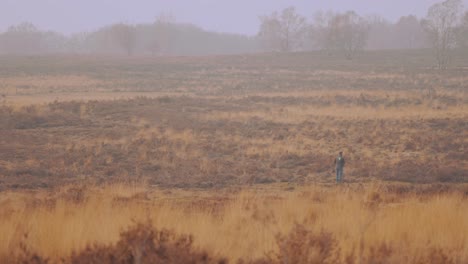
[[339, 175]]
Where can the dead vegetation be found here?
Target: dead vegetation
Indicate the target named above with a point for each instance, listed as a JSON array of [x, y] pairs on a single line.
[[370, 223], [203, 142], [233, 159]]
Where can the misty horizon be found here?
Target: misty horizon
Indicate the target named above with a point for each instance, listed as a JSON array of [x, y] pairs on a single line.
[[238, 17]]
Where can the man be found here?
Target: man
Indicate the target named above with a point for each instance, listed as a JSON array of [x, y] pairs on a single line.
[[339, 166]]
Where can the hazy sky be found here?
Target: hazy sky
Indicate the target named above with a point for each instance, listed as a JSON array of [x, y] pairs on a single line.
[[237, 16]]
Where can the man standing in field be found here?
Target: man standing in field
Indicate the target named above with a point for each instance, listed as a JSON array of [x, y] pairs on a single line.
[[339, 166]]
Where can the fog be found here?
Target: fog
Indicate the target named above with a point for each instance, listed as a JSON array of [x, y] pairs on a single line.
[[240, 16], [205, 27]]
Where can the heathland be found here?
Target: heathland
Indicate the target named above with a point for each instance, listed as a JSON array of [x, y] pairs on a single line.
[[230, 159]]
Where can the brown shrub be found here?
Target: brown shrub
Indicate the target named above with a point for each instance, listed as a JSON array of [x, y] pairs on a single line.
[[24, 256], [144, 244], [436, 256], [304, 246]]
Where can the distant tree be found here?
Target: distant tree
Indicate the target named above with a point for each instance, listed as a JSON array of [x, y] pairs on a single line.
[[347, 33], [441, 24], [409, 33], [319, 29], [125, 36], [153, 44], [24, 38], [76, 43], [283, 32], [25, 27], [269, 33], [380, 33], [161, 36], [462, 34], [53, 42]]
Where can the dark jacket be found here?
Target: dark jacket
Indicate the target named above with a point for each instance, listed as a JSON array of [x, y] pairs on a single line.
[[340, 162]]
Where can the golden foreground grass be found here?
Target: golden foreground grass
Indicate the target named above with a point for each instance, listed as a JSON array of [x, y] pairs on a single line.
[[372, 223]]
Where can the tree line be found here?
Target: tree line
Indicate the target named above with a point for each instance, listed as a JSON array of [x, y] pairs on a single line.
[[444, 29], [163, 37]]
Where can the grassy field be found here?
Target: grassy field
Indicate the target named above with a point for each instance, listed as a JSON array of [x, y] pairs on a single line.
[[230, 159], [374, 223]]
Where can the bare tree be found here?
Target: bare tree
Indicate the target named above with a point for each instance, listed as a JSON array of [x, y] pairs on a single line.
[[319, 29], [270, 32], [283, 32], [462, 34], [440, 24], [347, 33], [409, 33], [380, 33], [161, 35], [124, 36]]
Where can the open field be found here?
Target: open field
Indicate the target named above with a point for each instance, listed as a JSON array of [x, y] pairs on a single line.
[[236, 151], [219, 121]]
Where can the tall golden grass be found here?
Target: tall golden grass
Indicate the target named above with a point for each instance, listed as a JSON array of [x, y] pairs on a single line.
[[244, 224]]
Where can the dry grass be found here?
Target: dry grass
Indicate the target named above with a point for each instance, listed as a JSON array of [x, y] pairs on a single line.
[[28, 84], [221, 146], [245, 223], [301, 114], [206, 142], [219, 121]]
